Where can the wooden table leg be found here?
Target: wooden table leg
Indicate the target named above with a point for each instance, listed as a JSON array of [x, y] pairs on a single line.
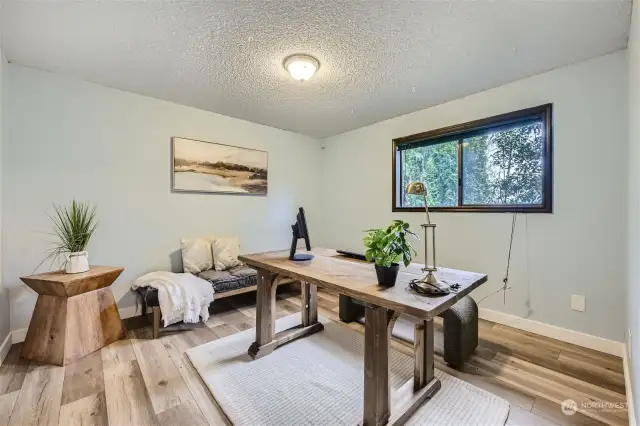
[[156, 314], [424, 384], [266, 339], [423, 371], [378, 323], [265, 313], [309, 304]]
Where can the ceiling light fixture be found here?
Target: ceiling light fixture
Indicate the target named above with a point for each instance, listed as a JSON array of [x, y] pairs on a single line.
[[301, 67]]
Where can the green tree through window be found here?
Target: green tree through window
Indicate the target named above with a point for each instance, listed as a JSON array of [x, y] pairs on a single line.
[[437, 166], [505, 167]]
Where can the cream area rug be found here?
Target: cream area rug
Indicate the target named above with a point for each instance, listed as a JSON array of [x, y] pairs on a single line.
[[318, 380]]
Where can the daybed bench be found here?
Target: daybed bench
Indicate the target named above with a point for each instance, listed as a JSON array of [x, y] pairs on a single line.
[[233, 281]]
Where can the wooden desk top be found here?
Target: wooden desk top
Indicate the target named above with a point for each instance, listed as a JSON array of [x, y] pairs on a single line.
[[358, 279], [58, 283]]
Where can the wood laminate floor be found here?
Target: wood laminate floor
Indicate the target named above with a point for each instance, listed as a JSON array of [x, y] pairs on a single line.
[[140, 381]]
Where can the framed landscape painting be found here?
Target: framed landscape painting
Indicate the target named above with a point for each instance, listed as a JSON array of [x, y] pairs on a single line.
[[208, 167]]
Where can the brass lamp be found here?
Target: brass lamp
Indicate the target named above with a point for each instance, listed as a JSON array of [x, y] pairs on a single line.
[[430, 283]]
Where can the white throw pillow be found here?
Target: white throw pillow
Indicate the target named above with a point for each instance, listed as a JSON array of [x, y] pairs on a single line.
[[196, 254], [225, 253]]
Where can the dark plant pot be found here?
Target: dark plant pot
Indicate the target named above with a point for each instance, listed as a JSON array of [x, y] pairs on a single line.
[[387, 274]]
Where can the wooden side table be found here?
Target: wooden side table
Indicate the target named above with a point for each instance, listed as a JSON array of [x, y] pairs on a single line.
[[74, 316]]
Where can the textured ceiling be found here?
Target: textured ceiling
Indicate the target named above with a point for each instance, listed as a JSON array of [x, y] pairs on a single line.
[[379, 59]]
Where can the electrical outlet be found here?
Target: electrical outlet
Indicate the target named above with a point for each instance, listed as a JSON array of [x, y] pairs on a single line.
[[578, 302]]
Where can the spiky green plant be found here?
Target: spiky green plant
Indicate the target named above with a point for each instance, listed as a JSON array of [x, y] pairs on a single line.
[[73, 226]]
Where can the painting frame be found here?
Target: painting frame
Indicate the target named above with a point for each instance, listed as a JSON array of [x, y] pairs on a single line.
[[174, 189]]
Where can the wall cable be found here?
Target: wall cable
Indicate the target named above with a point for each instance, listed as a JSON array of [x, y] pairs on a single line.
[[505, 281]]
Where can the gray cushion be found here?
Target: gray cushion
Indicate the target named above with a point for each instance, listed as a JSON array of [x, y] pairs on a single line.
[[242, 271], [231, 279], [214, 276]]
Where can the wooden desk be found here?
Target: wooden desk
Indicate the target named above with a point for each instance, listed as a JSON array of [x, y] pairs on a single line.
[[382, 307], [74, 316]]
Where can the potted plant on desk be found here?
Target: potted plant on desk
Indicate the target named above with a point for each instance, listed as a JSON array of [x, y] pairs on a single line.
[[387, 247]]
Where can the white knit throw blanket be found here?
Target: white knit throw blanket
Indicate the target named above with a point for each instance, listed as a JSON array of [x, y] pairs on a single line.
[[182, 297]]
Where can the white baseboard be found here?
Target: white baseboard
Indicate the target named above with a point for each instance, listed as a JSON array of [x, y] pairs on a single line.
[[575, 337], [129, 311], [18, 336], [4, 347], [627, 386]]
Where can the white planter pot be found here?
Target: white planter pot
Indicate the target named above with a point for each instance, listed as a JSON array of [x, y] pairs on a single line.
[[77, 262]]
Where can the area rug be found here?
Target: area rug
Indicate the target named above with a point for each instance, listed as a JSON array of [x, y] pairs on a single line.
[[318, 380]]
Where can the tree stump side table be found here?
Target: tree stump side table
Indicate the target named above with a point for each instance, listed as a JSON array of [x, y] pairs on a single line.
[[74, 316]]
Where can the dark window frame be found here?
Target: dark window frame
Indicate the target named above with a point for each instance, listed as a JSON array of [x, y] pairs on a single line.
[[437, 136]]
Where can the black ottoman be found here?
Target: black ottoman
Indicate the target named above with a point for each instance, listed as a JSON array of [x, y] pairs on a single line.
[[349, 311], [460, 331]]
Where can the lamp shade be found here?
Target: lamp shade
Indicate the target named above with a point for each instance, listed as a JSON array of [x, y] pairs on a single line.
[[416, 188]]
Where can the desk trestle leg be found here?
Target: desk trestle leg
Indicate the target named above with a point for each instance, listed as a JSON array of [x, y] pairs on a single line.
[[266, 338], [265, 312], [378, 324], [423, 370], [309, 304], [424, 385]]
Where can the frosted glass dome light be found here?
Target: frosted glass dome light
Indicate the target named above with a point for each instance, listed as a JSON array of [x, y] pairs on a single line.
[[301, 67]]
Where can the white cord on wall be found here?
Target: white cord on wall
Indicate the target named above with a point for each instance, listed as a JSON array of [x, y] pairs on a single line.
[[505, 281]]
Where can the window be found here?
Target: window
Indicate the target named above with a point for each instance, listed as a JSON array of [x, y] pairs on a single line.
[[497, 164]]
